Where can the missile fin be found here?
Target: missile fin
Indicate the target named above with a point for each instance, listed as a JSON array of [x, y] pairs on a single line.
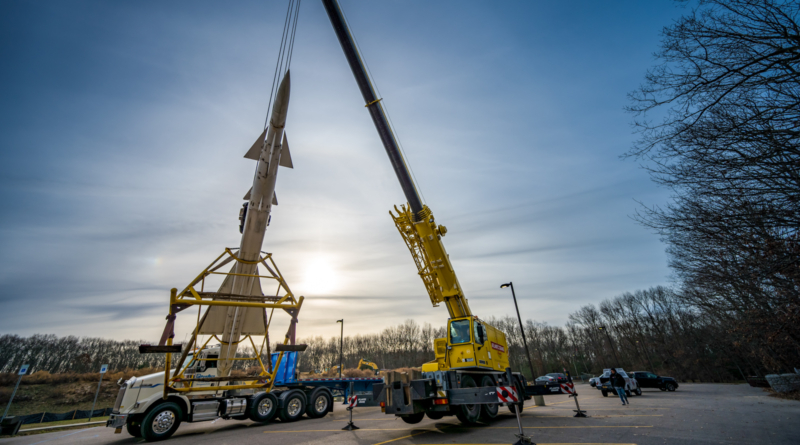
[[255, 150], [247, 196], [286, 156], [274, 199]]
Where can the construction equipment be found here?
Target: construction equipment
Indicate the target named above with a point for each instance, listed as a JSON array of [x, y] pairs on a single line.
[[475, 354], [367, 364]]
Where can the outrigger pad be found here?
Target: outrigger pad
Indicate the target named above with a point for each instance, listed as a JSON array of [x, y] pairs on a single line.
[[290, 348], [151, 349]]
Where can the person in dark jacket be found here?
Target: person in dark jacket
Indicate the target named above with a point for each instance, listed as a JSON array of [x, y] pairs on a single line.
[[618, 382]]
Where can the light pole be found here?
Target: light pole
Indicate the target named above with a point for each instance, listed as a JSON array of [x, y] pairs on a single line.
[[610, 343], [341, 346], [521, 328]]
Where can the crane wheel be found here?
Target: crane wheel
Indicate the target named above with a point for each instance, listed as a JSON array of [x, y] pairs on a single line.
[[413, 418], [521, 393], [489, 410], [468, 414]]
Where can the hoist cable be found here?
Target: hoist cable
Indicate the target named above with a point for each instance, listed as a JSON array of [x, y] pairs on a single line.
[[285, 51]]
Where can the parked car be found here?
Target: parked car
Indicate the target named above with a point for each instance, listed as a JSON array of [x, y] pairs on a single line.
[[631, 385], [560, 378], [650, 380], [593, 381], [545, 379]]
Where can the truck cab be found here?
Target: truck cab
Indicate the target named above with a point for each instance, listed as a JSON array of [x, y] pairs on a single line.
[[470, 344], [143, 410]]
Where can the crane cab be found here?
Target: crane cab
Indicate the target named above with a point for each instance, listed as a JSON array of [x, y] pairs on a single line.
[[470, 344]]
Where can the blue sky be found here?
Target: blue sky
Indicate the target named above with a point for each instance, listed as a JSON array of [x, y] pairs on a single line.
[[124, 125]]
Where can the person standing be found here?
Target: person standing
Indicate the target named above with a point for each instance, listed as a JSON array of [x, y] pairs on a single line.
[[618, 382]]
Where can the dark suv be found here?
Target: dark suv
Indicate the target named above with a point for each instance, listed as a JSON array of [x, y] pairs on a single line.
[[650, 380]]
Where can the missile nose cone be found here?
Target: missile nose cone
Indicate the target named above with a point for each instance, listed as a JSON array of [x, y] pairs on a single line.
[[281, 107]]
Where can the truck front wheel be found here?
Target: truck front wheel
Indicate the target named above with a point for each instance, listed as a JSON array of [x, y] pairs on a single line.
[[134, 429], [161, 422]]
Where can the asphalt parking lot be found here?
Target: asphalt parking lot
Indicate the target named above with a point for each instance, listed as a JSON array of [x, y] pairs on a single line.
[[694, 414]]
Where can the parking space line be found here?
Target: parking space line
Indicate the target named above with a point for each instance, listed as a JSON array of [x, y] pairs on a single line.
[[607, 415], [415, 434], [556, 427]]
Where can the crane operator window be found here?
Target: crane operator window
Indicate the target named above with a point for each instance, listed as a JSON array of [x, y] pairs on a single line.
[[459, 331]]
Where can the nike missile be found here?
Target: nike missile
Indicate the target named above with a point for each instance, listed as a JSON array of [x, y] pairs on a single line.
[[271, 150]]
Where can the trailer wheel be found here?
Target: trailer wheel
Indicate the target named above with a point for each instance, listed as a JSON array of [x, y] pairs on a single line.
[[262, 408], [413, 418], [468, 414], [161, 422], [605, 393], [638, 391], [489, 410], [293, 407], [134, 429], [319, 403]]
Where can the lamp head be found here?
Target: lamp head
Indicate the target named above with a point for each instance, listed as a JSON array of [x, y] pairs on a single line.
[[503, 286], [340, 321]]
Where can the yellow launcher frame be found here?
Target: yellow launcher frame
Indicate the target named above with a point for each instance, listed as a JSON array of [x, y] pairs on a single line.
[[190, 296]]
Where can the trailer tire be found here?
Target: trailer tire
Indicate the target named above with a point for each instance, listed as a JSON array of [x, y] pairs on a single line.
[[161, 422], [488, 411], [262, 408], [605, 393], [319, 403], [293, 407], [468, 414], [413, 418], [134, 429]]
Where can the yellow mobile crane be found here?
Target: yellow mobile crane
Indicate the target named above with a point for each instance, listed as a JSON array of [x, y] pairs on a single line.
[[472, 362]]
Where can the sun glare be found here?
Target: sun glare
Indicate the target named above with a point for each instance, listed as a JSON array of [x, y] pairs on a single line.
[[320, 277]]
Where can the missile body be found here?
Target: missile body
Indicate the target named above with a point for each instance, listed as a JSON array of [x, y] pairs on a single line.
[[271, 150]]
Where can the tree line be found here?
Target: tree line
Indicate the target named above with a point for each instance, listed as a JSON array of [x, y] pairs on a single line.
[[653, 329]]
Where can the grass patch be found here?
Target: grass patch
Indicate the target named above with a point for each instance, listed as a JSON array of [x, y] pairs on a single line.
[[60, 398]]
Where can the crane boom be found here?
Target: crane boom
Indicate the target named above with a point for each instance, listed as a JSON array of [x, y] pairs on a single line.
[[415, 224], [373, 103]]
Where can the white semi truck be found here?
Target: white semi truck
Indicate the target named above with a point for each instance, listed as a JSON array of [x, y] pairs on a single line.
[[142, 410]]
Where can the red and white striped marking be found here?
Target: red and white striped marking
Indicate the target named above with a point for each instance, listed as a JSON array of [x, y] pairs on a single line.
[[507, 394], [568, 388], [353, 401]]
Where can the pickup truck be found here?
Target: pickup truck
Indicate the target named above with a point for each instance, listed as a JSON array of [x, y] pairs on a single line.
[[631, 385], [142, 410]]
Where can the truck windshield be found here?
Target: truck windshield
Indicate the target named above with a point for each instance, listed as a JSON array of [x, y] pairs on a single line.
[[459, 331]]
